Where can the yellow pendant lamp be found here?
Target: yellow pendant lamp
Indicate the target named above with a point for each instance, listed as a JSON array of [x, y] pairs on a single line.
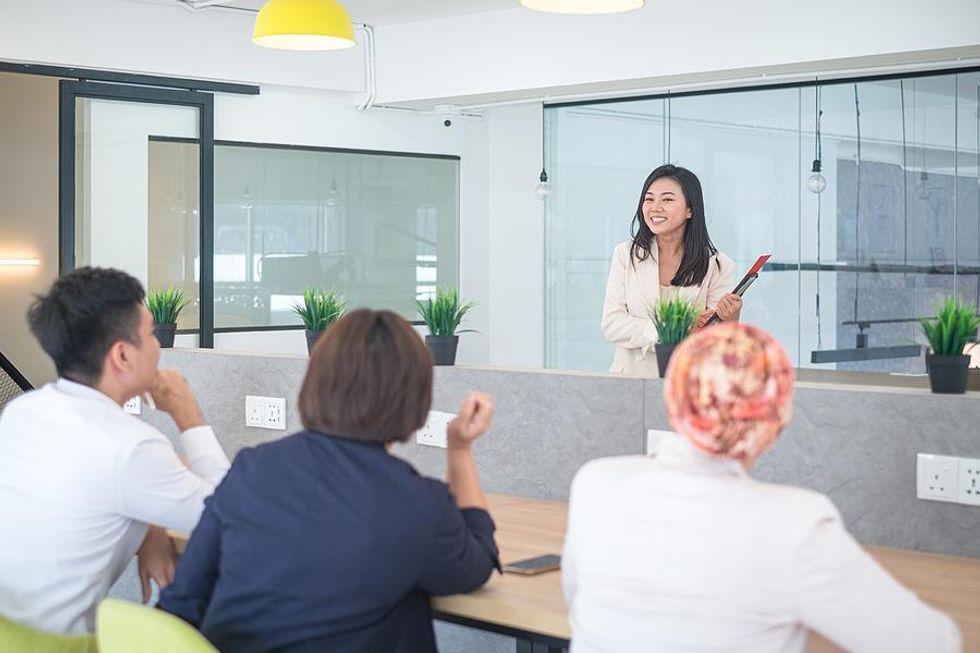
[[583, 6], [303, 25]]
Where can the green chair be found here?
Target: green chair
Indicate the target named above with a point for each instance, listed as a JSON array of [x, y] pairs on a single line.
[[124, 627], [17, 638]]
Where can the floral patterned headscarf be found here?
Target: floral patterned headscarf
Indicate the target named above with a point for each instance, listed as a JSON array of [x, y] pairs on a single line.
[[729, 390]]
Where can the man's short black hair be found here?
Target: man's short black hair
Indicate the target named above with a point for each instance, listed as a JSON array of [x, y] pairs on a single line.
[[82, 316]]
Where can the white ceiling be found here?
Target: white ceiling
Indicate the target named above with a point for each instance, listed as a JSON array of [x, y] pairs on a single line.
[[387, 12]]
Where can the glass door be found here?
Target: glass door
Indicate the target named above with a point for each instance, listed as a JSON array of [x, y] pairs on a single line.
[[137, 190]]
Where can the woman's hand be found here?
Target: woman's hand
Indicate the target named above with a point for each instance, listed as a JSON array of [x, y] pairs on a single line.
[[472, 421], [729, 307], [702, 320]]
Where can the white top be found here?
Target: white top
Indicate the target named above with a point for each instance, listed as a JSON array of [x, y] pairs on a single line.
[[683, 552], [631, 291], [79, 482]]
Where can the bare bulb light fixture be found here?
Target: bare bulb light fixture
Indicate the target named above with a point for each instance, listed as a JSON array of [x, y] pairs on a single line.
[[543, 188], [816, 182]]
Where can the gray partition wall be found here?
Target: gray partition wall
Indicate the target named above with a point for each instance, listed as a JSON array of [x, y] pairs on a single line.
[[855, 443]]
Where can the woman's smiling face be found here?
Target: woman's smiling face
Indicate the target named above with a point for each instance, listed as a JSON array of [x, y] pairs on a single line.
[[665, 208]]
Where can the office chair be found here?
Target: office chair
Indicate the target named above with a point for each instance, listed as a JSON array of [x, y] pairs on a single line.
[[125, 627], [12, 382], [17, 637]]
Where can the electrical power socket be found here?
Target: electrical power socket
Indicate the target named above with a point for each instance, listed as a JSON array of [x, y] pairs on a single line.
[[265, 412], [968, 481], [275, 413], [936, 477], [433, 433], [133, 406]]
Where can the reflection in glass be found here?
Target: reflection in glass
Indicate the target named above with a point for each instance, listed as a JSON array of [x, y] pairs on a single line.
[[896, 228], [380, 229]]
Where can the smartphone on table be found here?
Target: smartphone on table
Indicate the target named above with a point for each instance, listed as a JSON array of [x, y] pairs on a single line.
[[535, 565]]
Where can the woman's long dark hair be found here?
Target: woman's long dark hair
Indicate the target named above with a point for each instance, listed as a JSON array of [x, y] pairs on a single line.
[[698, 248]]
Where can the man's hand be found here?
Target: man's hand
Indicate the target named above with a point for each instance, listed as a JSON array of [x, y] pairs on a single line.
[[172, 394], [156, 559], [472, 421]]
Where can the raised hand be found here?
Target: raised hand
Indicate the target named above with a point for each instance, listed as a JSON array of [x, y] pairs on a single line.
[[472, 421]]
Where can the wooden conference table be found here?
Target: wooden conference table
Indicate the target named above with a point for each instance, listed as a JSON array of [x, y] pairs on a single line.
[[532, 608]]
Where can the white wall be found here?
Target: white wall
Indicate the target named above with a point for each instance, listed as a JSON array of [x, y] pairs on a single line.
[[114, 198], [516, 238], [521, 53]]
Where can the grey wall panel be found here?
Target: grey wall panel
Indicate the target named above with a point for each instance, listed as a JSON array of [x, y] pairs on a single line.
[[545, 426], [856, 444]]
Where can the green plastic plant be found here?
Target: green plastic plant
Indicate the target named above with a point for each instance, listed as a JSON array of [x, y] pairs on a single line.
[[673, 319], [165, 305], [444, 313], [955, 325], [320, 308]]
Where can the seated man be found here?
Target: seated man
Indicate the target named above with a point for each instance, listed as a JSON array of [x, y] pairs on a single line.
[[81, 481]]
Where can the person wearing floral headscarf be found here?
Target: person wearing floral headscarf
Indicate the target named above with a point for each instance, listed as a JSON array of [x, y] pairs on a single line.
[[683, 551]]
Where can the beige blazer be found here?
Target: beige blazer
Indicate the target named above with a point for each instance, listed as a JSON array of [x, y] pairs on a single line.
[[632, 290]]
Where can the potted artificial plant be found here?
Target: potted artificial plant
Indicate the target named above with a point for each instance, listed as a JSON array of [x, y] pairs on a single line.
[[165, 307], [443, 314], [318, 311], [948, 333], [674, 319]]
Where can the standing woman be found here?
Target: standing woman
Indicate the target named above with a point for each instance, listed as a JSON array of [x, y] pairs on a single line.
[[670, 256]]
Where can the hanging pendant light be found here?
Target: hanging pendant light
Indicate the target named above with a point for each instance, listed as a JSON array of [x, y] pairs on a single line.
[[816, 182], [303, 25], [543, 188], [583, 6]]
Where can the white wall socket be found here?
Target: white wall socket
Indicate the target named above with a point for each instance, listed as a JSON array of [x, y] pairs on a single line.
[[433, 434], [936, 477], [133, 406], [968, 481], [265, 412]]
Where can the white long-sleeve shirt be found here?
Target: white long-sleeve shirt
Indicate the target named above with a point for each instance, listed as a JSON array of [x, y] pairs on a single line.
[[631, 291], [80, 481], [683, 552]]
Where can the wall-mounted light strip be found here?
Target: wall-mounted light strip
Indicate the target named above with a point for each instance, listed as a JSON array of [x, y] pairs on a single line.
[[20, 262]]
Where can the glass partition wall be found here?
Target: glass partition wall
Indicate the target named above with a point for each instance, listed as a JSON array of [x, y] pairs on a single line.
[[895, 229], [379, 228]]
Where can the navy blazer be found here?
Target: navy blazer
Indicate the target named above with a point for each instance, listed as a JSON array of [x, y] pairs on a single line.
[[320, 543]]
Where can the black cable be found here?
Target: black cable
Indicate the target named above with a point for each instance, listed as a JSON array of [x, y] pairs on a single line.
[[818, 151], [905, 190], [857, 204]]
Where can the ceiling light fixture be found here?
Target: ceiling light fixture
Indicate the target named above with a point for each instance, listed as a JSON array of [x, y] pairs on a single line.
[[303, 25], [583, 6]]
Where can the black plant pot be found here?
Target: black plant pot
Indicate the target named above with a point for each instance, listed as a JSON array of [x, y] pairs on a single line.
[[947, 374], [165, 334], [311, 337], [442, 348], [664, 353]]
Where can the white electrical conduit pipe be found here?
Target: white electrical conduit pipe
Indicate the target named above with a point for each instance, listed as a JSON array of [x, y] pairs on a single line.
[[370, 65]]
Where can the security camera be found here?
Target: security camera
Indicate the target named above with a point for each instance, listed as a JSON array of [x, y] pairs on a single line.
[[447, 113]]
